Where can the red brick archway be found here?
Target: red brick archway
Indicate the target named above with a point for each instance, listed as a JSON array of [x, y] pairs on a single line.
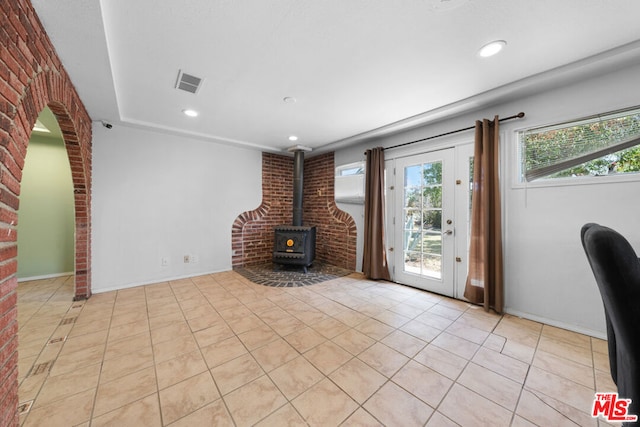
[[31, 78]]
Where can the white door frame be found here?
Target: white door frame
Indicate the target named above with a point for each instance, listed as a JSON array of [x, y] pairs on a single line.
[[459, 240]]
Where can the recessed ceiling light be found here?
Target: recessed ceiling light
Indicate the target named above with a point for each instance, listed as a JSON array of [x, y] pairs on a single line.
[[293, 138], [190, 113], [492, 48], [39, 127]]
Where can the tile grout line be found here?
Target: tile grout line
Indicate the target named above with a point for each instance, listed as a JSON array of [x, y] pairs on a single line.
[[106, 341], [202, 354], [51, 362], [316, 299]]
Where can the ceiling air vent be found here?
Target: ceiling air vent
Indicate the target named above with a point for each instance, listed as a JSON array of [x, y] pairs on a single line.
[[187, 82]]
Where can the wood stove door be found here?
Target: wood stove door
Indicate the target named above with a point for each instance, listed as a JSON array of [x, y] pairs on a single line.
[[424, 218]]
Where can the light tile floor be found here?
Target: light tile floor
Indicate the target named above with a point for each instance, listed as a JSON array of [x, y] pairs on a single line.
[[218, 350]]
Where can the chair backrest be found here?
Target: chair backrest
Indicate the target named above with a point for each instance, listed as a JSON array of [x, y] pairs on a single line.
[[616, 268]]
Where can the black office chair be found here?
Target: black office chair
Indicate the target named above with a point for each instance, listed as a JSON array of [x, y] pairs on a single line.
[[616, 268]]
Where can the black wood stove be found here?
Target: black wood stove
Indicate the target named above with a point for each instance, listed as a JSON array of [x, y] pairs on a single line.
[[295, 244]]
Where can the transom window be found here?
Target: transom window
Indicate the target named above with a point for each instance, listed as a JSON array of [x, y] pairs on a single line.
[[595, 146], [350, 169]]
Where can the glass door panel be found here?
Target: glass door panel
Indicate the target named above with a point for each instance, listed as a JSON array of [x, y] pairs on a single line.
[[426, 248]]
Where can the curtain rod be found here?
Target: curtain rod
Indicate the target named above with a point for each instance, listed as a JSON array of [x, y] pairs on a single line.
[[516, 116]]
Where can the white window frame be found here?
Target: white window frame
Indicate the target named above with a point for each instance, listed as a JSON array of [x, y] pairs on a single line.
[[350, 188]]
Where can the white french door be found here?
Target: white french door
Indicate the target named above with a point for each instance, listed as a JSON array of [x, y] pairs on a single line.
[[429, 197]]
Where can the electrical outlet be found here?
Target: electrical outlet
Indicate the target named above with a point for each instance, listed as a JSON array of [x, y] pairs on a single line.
[[194, 259], [187, 260], [164, 261]]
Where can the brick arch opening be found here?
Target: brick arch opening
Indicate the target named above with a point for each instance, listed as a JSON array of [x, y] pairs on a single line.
[[41, 93], [32, 77]]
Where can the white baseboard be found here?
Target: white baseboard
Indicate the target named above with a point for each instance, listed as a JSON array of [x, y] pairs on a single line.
[[152, 282], [46, 276], [558, 324]]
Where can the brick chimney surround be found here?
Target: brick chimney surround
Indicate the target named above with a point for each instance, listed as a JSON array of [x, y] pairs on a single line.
[[252, 232]]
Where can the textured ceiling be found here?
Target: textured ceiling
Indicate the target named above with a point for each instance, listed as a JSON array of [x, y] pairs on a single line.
[[356, 68]]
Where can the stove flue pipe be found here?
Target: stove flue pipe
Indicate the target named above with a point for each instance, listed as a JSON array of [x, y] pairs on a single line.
[[298, 181]]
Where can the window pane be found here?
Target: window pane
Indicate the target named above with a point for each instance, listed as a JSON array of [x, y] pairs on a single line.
[[432, 219], [413, 240], [625, 161], [412, 219], [432, 242], [432, 197], [599, 145], [413, 262], [433, 173], [432, 266], [412, 176], [412, 197], [351, 171]]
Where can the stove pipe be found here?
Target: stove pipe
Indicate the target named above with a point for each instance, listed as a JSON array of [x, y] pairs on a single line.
[[298, 182]]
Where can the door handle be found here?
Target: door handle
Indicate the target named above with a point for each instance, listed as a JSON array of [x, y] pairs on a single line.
[[448, 232]]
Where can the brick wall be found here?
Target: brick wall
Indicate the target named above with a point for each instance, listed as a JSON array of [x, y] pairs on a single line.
[[252, 232], [336, 230], [31, 78]]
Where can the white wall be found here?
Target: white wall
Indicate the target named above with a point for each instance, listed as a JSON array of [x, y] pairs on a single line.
[[547, 277], [160, 196]]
